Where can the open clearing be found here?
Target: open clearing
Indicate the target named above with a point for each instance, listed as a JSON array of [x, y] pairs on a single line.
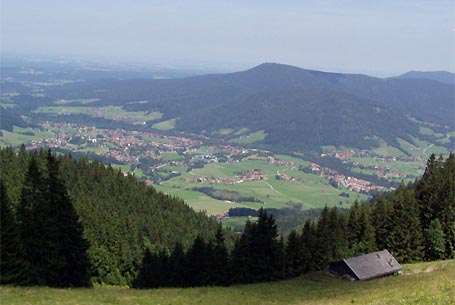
[[312, 191], [423, 283], [108, 112]]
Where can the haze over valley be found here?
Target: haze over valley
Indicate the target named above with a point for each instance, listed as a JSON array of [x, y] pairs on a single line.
[[250, 152], [273, 135]]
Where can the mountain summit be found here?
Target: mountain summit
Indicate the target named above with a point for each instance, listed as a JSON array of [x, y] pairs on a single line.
[[291, 106], [439, 76]]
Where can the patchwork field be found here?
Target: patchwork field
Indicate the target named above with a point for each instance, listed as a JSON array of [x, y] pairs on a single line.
[[108, 112], [156, 157], [311, 190], [423, 283]]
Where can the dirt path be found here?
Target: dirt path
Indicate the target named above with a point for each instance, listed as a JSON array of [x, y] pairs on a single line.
[[424, 151], [273, 189]]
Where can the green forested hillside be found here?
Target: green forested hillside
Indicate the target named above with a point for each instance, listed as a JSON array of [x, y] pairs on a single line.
[[120, 215], [142, 237], [293, 108]]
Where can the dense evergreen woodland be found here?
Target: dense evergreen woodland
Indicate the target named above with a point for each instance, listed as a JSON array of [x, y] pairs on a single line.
[[67, 222], [56, 207]]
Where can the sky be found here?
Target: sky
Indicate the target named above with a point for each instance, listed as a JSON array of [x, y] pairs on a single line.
[[381, 38]]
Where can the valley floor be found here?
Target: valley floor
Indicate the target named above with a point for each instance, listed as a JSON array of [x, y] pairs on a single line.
[[423, 283]]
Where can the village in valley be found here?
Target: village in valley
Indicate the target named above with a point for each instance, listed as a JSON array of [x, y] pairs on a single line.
[[161, 158], [241, 171]]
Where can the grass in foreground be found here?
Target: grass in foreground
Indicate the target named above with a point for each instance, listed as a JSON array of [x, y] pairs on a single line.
[[424, 283]]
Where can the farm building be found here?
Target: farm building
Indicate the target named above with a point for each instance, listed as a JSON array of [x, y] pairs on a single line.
[[366, 267]]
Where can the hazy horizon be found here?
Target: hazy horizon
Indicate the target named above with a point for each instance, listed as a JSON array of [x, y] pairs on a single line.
[[379, 39]]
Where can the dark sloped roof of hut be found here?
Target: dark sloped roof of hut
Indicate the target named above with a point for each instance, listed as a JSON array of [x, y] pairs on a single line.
[[373, 265]]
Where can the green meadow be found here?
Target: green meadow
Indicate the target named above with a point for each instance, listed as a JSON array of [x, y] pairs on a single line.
[[108, 112], [20, 136], [250, 138], [312, 191], [165, 125], [423, 283]]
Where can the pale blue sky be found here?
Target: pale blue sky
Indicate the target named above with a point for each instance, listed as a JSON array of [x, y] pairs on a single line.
[[375, 37]]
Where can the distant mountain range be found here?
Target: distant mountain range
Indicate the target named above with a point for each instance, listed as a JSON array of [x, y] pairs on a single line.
[[294, 107], [439, 76]]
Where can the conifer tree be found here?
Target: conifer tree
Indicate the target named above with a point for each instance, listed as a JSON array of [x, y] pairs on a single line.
[[258, 254], [294, 255], [354, 226], [50, 232], [148, 276], [177, 266], [447, 216], [405, 239], [362, 237], [33, 223], [164, 268], [280, 272], [434, 241], [367, 240], [309, 245], [338, 227], [331, 242], [322, 252], [197, 263], [71, 265], [430, 191], [240, 256], [219, 261], [382, 221], [266, 251], [12, 265]]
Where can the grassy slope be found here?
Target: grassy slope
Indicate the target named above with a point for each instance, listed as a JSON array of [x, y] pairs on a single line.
[[108, 112], [424, 283], [314, 192]]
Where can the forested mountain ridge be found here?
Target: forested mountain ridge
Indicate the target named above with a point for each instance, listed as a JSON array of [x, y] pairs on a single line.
[[294, 107], [440, 76], [121, 216]]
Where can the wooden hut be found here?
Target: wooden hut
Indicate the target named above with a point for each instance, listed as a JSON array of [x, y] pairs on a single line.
[[366, 267]]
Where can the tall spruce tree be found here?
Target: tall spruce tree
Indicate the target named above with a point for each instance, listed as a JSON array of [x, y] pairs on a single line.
[[354, 225], [240, 256], [447, 216], [219, 261], [12, 265], [331, 238], [322, 252], [405, 239], [367, 240], [177, 276], [434, 241], [430, 191], [382, 221], [258, 254], [148, 275], [50, 232], [71, 266], [265, 252], [361, 234], [308, 240], [338, 227], [197, 259], [294, 255], [33, 223]]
